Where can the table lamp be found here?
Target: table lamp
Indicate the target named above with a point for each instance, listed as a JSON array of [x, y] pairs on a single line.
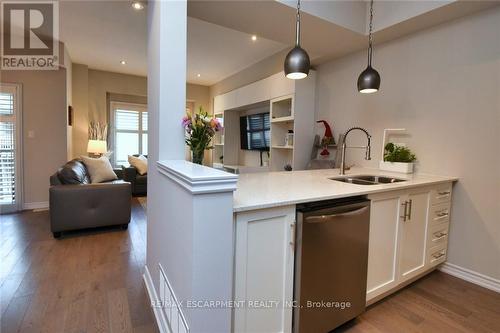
[[97, 147]]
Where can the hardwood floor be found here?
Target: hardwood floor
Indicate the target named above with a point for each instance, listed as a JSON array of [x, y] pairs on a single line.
[[436, 303], [92, 282], [85, 282]]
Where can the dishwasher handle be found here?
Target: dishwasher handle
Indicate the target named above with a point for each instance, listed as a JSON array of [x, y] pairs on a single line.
[[329, 217]]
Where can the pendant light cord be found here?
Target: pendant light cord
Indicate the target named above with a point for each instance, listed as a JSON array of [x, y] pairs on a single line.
[[297, 25], [370, 37]]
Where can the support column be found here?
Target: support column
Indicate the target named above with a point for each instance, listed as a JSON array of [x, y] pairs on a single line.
[[190, 207]]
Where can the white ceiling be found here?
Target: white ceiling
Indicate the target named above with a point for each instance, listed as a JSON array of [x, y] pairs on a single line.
[[217, 52], [102, 33]]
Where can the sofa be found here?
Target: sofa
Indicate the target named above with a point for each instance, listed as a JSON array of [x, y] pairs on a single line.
[[138, 182], [75, 203]]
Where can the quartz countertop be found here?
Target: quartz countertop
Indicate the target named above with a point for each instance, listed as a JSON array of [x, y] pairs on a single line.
[[274, 189]]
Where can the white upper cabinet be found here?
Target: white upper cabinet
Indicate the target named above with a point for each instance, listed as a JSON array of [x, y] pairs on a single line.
[[253, 93], [225, 102], [276, 85], [280, 85]]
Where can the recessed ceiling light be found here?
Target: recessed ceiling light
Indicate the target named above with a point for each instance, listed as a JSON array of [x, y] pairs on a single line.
[[123, 62], [137, 5], [198, 75], [254, 38]]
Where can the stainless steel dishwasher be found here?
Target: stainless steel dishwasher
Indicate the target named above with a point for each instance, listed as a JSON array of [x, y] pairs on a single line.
[[331, 263]]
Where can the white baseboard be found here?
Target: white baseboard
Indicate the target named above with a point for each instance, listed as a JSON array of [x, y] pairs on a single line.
[[161, 321], [35, 205], [471, 276]]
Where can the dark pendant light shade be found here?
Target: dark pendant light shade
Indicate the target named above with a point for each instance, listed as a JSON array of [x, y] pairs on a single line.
[[369, 79], [297, 63]]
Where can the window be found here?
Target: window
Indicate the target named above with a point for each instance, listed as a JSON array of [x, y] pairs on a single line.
[[130, 131], [255, 131], [10, 196]]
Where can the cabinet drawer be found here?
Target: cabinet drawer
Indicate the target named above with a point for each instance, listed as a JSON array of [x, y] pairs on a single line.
[[441, 194], [439, 214], [437, 255], [438, 234]]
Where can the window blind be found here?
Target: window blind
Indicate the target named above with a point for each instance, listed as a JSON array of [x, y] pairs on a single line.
[[7, 149]]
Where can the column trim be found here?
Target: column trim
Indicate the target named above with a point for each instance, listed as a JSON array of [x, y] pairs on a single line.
[[197, 179]]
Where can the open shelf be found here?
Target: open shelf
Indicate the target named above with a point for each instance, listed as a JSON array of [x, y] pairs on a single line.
[[282, 108], [282, 147], [282, 119]]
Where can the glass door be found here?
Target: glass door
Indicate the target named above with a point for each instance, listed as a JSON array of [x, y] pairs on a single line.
[[10, 118]]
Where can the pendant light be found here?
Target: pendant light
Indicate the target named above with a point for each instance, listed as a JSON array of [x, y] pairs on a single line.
[[369, 79], [297, 61]]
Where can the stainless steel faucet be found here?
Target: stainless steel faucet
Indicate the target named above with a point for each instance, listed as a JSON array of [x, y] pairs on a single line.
[[344, 146]]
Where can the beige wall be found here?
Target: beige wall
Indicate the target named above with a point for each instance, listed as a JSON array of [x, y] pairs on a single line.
[[443, 85], [200, 95], [44, 113], [93, 90]]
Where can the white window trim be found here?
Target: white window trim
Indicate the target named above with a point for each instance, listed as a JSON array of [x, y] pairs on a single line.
[[18, 115], [125, 106]]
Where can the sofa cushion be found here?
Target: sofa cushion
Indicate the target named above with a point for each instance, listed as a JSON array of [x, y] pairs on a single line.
[[99, 169], [141, 180], [73, 172], [140, 163]]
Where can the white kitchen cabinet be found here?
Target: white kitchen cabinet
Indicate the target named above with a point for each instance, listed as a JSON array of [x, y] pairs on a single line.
[[408, 236], [279, 85], [383, 246], [253, 93], [225, 102], [414, 233], [264, 260]]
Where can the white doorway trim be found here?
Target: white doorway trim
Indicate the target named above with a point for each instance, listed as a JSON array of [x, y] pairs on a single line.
[[16, 89]]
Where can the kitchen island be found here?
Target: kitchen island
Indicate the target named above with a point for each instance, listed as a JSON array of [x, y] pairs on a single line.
[[409, 224]]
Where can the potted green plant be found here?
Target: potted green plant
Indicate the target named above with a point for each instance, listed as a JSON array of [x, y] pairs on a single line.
[[397, 158]]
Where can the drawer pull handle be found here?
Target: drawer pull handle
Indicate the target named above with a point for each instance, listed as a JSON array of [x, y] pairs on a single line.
[[439, 236], [442, 195], [441, 216], [438, 256]]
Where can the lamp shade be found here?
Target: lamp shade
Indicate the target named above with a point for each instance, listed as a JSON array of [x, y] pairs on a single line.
[[97, 147], [369, 81], [297, 63]]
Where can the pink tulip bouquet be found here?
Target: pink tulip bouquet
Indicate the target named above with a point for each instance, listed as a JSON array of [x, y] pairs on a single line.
[[200, 129]]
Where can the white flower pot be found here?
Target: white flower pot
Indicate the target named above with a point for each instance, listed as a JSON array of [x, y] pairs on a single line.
[[396, 167]]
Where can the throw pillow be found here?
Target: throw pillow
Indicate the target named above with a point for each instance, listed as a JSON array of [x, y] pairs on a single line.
[[100, 169], [140, 163]]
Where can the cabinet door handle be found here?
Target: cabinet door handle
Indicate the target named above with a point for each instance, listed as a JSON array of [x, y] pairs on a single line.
[[410, 204], [292, 234], [405, 204]]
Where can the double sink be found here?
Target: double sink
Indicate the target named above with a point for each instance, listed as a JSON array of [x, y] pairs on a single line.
[[368, 180]]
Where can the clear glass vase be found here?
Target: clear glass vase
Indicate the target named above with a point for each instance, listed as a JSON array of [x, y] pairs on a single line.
[[197, 156]]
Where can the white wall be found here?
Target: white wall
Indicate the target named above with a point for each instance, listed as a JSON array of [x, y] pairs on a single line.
[[443, 85]]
